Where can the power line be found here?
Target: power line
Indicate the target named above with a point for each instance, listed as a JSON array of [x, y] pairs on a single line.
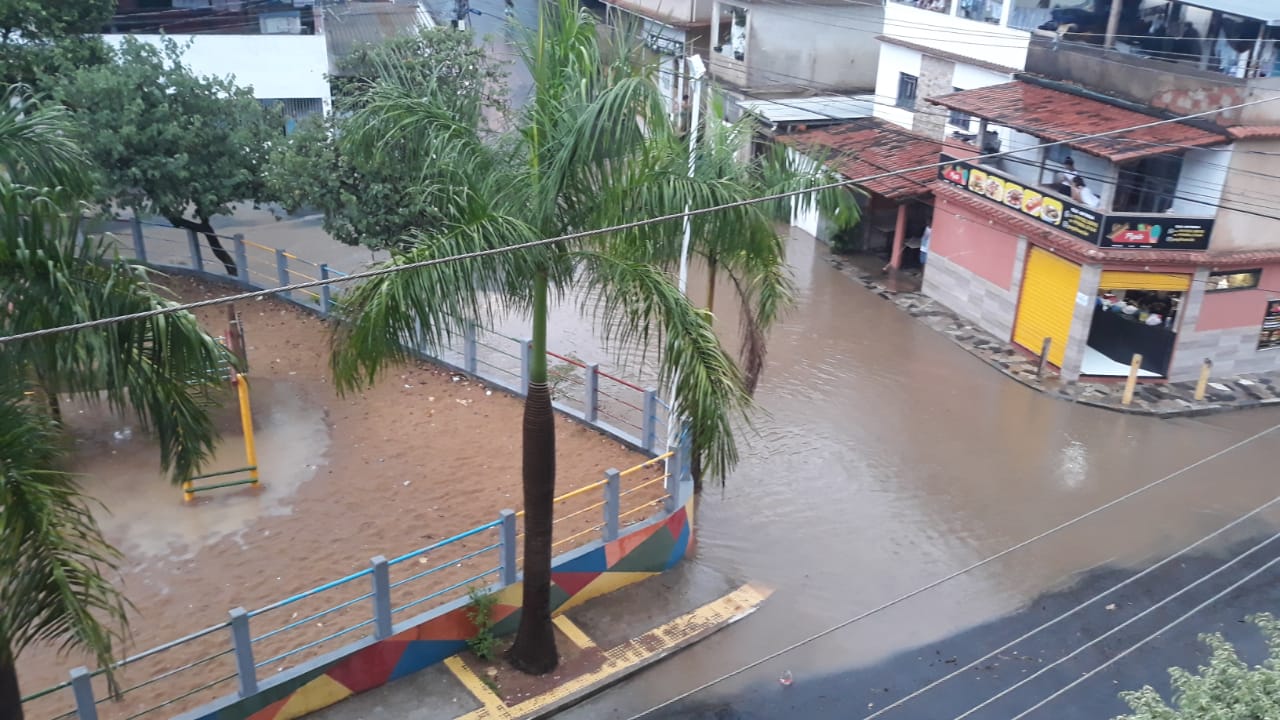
[[1123, 625], [559, 239], [1188, 195], [1232, 588], [1096, 598], [958, 573]]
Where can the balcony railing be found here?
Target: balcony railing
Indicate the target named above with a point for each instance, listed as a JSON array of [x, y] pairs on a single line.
[[1132, 231]]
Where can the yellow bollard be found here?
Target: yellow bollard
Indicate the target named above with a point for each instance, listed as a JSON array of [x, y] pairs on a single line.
[[1202, 384], [187, 495], [1132, 382], [246, 424]]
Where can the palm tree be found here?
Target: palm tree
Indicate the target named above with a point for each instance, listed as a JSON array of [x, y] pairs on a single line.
[[53, 560], [592, 148]]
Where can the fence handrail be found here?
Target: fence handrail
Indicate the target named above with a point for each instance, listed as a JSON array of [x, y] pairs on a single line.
[[508, 566]]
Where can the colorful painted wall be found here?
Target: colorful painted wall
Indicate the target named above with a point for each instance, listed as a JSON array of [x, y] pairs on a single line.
[[577, 577]]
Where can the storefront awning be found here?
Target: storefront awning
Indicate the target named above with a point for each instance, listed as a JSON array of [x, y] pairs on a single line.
[[871, 146], [1058, 116]]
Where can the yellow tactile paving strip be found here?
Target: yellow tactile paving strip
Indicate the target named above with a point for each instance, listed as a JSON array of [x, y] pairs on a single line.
[[573, 632], [655, 643]]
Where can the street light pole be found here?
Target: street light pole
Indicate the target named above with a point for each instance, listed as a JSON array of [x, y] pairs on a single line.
[[697, 71]]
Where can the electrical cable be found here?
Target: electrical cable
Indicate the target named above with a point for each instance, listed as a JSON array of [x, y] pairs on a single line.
[[99, 322], [1232, 588], [893, 128], [1194, 584], [1084, 604], [958, 573]]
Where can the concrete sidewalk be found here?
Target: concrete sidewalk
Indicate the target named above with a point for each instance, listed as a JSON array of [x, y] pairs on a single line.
[[1161, 400], [634, 627]]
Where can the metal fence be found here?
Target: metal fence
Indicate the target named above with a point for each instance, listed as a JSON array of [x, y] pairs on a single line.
[[236, 655], [581, 389]]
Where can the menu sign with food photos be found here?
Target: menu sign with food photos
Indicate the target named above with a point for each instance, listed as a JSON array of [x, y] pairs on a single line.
[[1157, 232], [1270, 337], [1062, 214]]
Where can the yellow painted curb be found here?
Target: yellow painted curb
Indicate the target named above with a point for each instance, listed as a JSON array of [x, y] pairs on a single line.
[[643, 650], [573, 632]]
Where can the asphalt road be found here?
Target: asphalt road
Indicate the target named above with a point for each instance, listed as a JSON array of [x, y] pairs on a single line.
[[859, 692]]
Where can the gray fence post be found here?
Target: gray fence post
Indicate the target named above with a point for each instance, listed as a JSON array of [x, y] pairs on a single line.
[[242, 258], [508, 530], [282, 271], [591, 402], [82, 690], [526, 365], [326, 295], [612, 504], [381, 597], [242, 644], [470, 348], [193, 244], [649, 425], [139, 245]]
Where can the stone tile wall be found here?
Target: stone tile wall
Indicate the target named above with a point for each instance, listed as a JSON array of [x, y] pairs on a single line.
[[937, 77], [975, 298]]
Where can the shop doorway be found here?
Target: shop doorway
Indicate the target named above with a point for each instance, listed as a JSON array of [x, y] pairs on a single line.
[[1135, 313]]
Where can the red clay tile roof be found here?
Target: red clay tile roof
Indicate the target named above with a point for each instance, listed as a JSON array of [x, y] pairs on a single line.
[[871, 146], [1080, 251], [1057, 116], [1255, 132]]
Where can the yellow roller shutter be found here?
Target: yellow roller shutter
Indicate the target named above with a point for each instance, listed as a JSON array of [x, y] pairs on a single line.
[[1048, 300], [1125, 280]]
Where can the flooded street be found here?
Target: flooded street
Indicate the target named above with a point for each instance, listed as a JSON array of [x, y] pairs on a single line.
[[883, 458], [886, 457]]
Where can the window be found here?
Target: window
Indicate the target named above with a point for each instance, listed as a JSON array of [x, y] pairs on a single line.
[[957, 118], [907, 90], [1233, 280], [1148, 185], [1057, 153]]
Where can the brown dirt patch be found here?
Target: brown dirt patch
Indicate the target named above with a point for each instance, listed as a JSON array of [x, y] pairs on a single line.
[[516, 687], [417, 458]]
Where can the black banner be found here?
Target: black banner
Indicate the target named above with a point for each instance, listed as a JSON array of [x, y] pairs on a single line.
[[1133, 232], [1063, 214], [1270, 337], [1157, 232]]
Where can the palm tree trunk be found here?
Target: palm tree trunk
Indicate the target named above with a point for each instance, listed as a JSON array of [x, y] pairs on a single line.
[[711, 283], [10, 695], [534, 649]]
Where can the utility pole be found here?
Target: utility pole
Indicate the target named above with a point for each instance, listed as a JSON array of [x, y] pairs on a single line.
[[697, 71]]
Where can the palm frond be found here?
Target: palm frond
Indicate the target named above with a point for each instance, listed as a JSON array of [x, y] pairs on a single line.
[[163, 369], [635, 304], [55, 566], [37, 145], [384, 316]]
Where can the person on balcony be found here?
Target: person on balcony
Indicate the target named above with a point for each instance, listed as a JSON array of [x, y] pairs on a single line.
[[1083, 195]]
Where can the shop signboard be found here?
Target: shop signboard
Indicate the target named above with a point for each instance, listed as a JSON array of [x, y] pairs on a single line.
[[1270, 337], [1136, 232], [1156, 232], [1056, 212]]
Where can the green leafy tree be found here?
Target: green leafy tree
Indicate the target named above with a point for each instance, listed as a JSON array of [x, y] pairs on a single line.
[[40, 39], [367, 199], [592, 148], [1224, 689], [54, 563], [169, 142]]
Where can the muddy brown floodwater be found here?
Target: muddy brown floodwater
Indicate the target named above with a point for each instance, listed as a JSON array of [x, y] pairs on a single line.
[[886, 457], [413, 460]]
